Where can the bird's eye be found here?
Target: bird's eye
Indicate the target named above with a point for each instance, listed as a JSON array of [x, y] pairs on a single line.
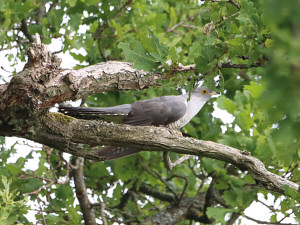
[[204, 91]]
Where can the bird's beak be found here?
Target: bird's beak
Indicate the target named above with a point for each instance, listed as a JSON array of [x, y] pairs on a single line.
[[214, 93]]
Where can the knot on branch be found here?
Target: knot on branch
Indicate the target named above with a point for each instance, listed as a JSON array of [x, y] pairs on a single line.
[[39, 55]]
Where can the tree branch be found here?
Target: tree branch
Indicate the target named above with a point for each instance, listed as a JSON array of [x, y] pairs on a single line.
[[81, 193], [266, 222], [181, 23], [192, 67], [65, 133], [233, 218], [170, 165], [25, 30], [156, 194]]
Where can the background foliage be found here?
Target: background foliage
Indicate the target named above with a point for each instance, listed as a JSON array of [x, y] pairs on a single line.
[[251, 49]]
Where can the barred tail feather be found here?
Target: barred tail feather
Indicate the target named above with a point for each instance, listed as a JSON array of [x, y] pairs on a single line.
[[91, 113], [113, 152]]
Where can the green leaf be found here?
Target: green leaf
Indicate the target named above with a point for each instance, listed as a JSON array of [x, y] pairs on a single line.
[[217, 213], [173, 17], [203, 65], [158, 48], [75, 20], [226, 104], [91, 2], [255, 89], [72, 3], [249, 179], [64, 192], [244, 118], [233, 197], [273, 218], [72, 213], [13, 169], [138, 56]]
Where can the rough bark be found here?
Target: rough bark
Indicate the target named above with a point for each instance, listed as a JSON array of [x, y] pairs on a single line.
[[26, 99]]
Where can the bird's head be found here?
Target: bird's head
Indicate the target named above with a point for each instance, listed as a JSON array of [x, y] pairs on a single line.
[[205, 92]]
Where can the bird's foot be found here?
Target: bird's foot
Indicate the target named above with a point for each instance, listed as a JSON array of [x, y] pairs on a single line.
[[175, 132]]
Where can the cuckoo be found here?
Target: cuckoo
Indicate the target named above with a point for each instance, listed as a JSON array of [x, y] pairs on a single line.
[[170, 111]]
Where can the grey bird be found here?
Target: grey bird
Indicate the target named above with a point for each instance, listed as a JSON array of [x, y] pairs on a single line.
[[170, 111]]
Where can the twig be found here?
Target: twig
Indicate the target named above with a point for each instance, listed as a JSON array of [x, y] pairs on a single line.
[[266, 222], [102, 213], [57, 52], [286, 216], [185, 186], [257, 63], [41, 211], [122, 8], [102, 27], [233, 218], [145, 189], [201, 176], [271, 208], [156, 174], [19, 42], [50, 182], [181, 23], [169, 164], [25, 30], [155, 208], [290, 170], [123, 213], [124, 199], [235, 4]]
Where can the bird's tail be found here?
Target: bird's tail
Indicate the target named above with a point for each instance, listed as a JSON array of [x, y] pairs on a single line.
[[113, 152], [93, 112]]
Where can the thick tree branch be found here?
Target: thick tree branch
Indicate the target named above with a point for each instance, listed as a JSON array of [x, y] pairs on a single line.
[[56, 85], [65, 133]]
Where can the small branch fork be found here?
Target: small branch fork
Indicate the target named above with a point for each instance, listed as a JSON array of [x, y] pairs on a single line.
[[170, 165], [51, 173], [182, 23], [164, 181]]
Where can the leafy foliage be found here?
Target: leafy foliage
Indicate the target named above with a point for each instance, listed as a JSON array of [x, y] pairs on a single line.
[[11, 210], [252, 47], [142, 58]]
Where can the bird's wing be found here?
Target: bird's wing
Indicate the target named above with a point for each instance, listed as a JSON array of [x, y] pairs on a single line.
[[158, 111]]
